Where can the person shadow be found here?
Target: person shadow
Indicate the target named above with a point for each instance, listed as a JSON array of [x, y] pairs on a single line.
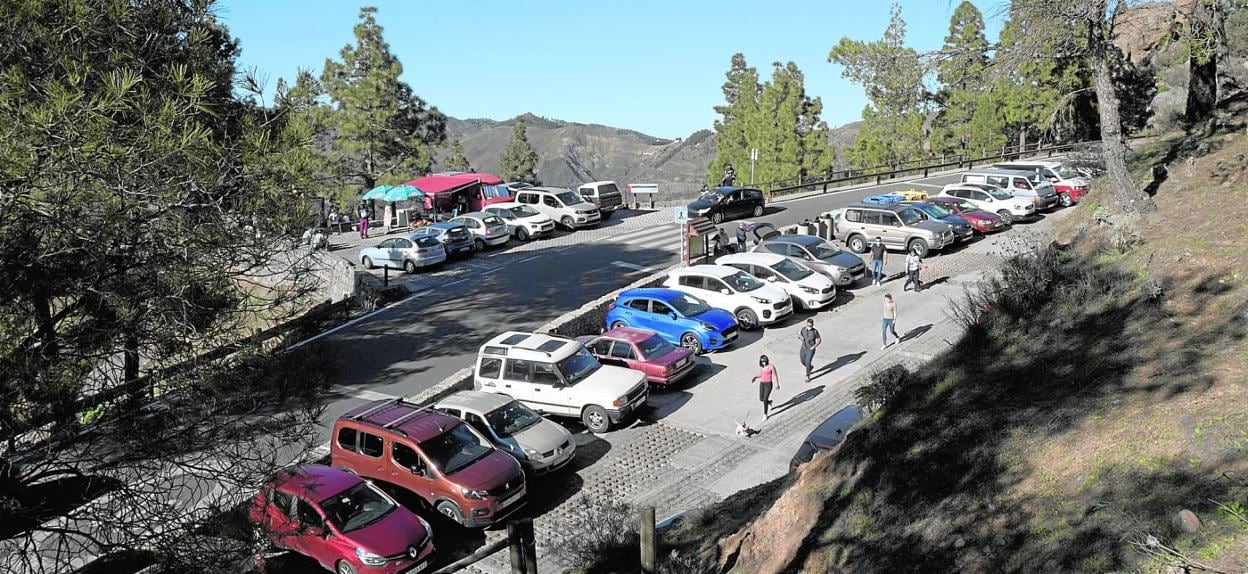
[[797, 399], [936, 281], [838, 363], [916, 332]]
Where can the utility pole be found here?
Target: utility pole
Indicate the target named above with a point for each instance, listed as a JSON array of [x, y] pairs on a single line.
[[753, 158]]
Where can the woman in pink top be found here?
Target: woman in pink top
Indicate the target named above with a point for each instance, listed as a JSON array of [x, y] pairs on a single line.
[[766, 379]]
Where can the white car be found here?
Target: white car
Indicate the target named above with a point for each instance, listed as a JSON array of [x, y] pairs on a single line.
[[559, 376], [807, 288], [563, 205], [486, 229], [409, 253], [523, 221], [753, 302], [992, 199]]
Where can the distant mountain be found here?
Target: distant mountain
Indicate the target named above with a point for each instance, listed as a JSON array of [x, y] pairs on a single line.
[[570, 153]]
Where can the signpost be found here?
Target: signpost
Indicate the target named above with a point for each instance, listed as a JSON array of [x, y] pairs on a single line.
[[680, 215]]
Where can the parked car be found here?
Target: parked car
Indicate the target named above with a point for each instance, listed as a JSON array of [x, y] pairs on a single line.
[[679, 318], [992, 198], [753, 302], [1017, 183], [522, 221], [540, 445], [912, 194], [644, 351], [515, 186], [842, 267], [455, 238], [899, 226], [340, 520], [605, 194], [410, 253], [441, 459], [808, 289], [564, 206], [962, 229], [559, 376], [827, 436], [982, 221], [487, 229], [724, 203], [1070, 183]]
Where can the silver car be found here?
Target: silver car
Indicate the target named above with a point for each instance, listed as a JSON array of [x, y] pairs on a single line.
[[540, 445], [410, 253], [486, 229], [842, 267]]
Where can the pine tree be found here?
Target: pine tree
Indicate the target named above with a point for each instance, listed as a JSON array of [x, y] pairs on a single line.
[[455, 159], [741, 93], [963, 98], [519, 161], [382, 131]]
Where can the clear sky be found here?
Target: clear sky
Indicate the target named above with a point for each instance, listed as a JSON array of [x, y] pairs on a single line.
[[649, 65]]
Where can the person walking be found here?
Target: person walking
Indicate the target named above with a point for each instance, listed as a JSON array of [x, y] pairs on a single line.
[[363, 222], [741, 237], [914, 264], [730, 176], [878, 256], [890, 321], [810, 341], [767, 379]]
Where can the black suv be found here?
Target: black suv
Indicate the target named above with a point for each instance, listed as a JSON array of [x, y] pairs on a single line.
[[728, 203]]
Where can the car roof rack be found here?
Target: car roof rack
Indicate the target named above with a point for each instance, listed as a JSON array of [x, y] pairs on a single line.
[[404, 418], [375, 408]]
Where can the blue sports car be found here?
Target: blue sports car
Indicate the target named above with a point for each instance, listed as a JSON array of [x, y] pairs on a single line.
[[679, 318]]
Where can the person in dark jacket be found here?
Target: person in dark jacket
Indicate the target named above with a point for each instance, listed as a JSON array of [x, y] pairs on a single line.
[[741, 237]]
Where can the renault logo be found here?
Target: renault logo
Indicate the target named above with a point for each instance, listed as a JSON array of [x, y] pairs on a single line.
[[413, 552]]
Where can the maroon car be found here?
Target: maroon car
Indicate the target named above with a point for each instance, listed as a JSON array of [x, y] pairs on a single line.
[[982, 221], [642, 350]]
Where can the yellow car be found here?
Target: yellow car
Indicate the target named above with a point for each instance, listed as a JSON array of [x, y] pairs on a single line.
[[912, 194]]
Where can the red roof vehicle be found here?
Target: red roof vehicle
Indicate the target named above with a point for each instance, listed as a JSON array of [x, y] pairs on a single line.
[[473, 191]]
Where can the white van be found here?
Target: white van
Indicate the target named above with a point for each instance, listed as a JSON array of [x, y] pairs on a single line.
[[1017, 183], [559, 376], [562, 205], [754, 303]]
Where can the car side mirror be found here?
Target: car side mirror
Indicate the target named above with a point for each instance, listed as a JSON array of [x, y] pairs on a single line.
[[771, 279], [672, 314], [725, 292]]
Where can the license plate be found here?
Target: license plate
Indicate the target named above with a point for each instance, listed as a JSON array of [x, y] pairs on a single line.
[[419, 568], [509, 501]]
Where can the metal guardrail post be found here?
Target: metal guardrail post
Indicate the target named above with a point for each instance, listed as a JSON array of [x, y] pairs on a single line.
[[649, 542]]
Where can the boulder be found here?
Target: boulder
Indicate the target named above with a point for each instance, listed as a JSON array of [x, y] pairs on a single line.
[[1188, 521]]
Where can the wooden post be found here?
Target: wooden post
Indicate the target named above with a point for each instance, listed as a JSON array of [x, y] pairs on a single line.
[[516, 543], [649, 542], [530, 546], [385, 275]]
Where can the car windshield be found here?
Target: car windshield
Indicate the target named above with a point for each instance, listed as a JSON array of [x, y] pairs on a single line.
[[910, 216], [689, 306], [426, 241], [966, 206], [1066, 172], [523, 211], [511, 418], [578, 366], [791, 271], [743, 282], [653, 347], [503, 213], [454, 449], [935, 210], [356, 507], [824, 250], [492, 220], [569, 198]]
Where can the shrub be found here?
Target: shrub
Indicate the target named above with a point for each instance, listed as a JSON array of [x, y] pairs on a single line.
[[603, 530], [884, 385]]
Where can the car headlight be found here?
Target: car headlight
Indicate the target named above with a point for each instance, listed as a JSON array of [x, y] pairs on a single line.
[[620, 401], [810, 290], [708, 327], [369, 558], [532, 453], [475, 494], [760, 300]]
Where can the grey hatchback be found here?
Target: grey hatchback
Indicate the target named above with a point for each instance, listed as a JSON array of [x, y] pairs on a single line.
[[843, 267], [454, 236]]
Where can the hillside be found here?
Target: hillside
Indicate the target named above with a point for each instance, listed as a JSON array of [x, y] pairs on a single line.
[[1094, 419]]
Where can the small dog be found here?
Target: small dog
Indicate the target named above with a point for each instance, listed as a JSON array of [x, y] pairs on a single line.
[[744, 429]]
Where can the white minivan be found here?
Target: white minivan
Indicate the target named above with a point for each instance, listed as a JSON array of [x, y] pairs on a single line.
[[808, 289], [754, 303], [558, 376], [1018, 183], [563, 205]]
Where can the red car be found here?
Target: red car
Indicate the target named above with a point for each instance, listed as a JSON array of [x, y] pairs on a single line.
[[982, 221], [346, 524], [642, 350]]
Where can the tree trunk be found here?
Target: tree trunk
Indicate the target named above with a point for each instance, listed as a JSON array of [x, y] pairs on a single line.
[[1114, 149], [1202, 84]]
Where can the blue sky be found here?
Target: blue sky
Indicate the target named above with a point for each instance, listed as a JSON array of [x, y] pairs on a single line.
[[649, 65]]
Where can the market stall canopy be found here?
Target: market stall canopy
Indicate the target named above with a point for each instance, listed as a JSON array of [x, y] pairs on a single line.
[[378, 192], [445, 183], [404, 192]]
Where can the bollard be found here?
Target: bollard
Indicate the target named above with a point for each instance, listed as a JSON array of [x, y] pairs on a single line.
[[516, 543], [649, 541], [530, 545], [385, 276]]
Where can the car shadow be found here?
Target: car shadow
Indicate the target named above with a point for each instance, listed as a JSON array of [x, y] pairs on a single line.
[[660, 405], [701, 373]]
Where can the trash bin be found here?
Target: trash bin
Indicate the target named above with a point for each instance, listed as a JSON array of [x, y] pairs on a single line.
[[805, 229], [821, 227]]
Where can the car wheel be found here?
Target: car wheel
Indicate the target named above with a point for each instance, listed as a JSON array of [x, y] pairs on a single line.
[[1006, 217], [479, 244], [758, 211], [596, 419], [747, 319], [522, 234], [917, 245], [717, 218], [569, 223], [449, 510], [368, 263], [691, 342], [409, 266], [344, 567], [618, 324], [1066, 201], [857, 244]]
